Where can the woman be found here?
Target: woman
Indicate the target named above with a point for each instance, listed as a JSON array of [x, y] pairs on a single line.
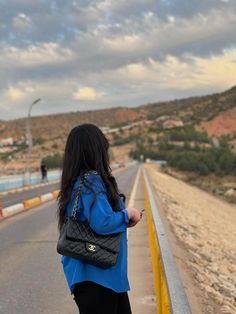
[[96, 290]]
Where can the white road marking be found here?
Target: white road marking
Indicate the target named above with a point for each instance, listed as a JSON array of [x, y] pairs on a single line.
[[133, 193]]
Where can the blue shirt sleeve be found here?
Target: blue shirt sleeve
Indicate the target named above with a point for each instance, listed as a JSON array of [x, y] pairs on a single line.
[[102, 218]]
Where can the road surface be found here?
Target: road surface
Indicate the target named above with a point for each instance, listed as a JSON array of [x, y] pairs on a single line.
[[31, 275], [11, 199]]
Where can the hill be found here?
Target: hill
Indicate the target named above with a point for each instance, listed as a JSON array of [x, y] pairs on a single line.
[[191, 110], [223, 124], [214, 114]]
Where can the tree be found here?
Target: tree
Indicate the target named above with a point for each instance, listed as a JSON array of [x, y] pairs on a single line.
[[163, 144], [226, 162], [53, 161], [203, 170], [150, 140]]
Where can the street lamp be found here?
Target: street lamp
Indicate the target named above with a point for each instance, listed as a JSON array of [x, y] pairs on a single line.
[[29, 137]]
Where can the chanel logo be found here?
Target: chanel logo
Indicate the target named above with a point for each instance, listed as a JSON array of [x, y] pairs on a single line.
[[91, 247]]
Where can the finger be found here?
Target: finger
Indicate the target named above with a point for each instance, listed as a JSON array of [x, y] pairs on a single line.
[[132, 224]]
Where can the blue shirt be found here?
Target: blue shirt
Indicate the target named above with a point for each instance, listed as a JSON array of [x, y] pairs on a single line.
[[103, 220]]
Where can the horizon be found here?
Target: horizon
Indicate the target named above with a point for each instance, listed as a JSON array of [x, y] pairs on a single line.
[[115, 107]]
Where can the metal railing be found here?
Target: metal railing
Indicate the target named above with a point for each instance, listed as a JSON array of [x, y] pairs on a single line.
[[170, 294]]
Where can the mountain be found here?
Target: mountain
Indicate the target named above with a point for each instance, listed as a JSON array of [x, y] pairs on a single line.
[[214, 114], [222, 124], [209, 112], [58, 125]]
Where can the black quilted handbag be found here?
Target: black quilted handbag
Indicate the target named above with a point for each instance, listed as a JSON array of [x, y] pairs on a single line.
[[79, 241]]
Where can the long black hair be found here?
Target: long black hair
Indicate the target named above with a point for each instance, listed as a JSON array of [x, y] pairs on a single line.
[[86, 148]]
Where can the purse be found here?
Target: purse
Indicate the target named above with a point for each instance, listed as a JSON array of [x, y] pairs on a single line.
[[79, 241]]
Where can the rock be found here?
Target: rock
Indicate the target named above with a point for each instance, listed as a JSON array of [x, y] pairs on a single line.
[[216, 286], [209, 309], [227, 290], [225, 309], [231, 268], [206, 256], [230, 192], [213, 268], [223, 278], [195, 257], [200, 278]]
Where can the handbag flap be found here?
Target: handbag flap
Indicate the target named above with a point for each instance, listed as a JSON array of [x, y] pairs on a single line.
[[82, 232]]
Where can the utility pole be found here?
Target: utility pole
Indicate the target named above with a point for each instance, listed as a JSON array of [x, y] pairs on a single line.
[[29, 138]]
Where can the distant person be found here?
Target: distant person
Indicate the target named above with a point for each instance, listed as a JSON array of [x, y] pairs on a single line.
[[44, 172], [96, 290]]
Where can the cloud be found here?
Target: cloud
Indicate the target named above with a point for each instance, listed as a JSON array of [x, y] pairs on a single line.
[[188, 9], [129, 85], [15, 94], [33, 55], [117, 52], [174, 74], [87, 94], [152, 37], [123, 8], [21, 22]]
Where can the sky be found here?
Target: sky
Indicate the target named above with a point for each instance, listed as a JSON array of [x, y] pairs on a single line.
[[85, 55]]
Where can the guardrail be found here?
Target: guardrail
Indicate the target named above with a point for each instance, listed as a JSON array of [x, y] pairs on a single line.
[[10, 182], [170, 294], [18, 181]]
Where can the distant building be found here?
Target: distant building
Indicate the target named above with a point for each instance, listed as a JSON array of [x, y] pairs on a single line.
[[4, 150], [169, 124], [148, 122], [232, 144], [126, 127], [116, 130], [190, 143], [178, 143], [136, 123], [162, 118], [6, 141], [215, 141], [105, 129]]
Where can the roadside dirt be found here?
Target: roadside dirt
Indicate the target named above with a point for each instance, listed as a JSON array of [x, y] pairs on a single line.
[[202, 232]]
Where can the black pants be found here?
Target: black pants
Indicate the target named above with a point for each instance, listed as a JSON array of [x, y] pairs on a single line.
[[92, 298]]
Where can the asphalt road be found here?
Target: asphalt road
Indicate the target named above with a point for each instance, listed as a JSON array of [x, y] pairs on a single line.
[[31, 274], [11, 199]]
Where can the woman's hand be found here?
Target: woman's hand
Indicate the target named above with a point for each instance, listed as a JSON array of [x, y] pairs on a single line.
[[134, 216]]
